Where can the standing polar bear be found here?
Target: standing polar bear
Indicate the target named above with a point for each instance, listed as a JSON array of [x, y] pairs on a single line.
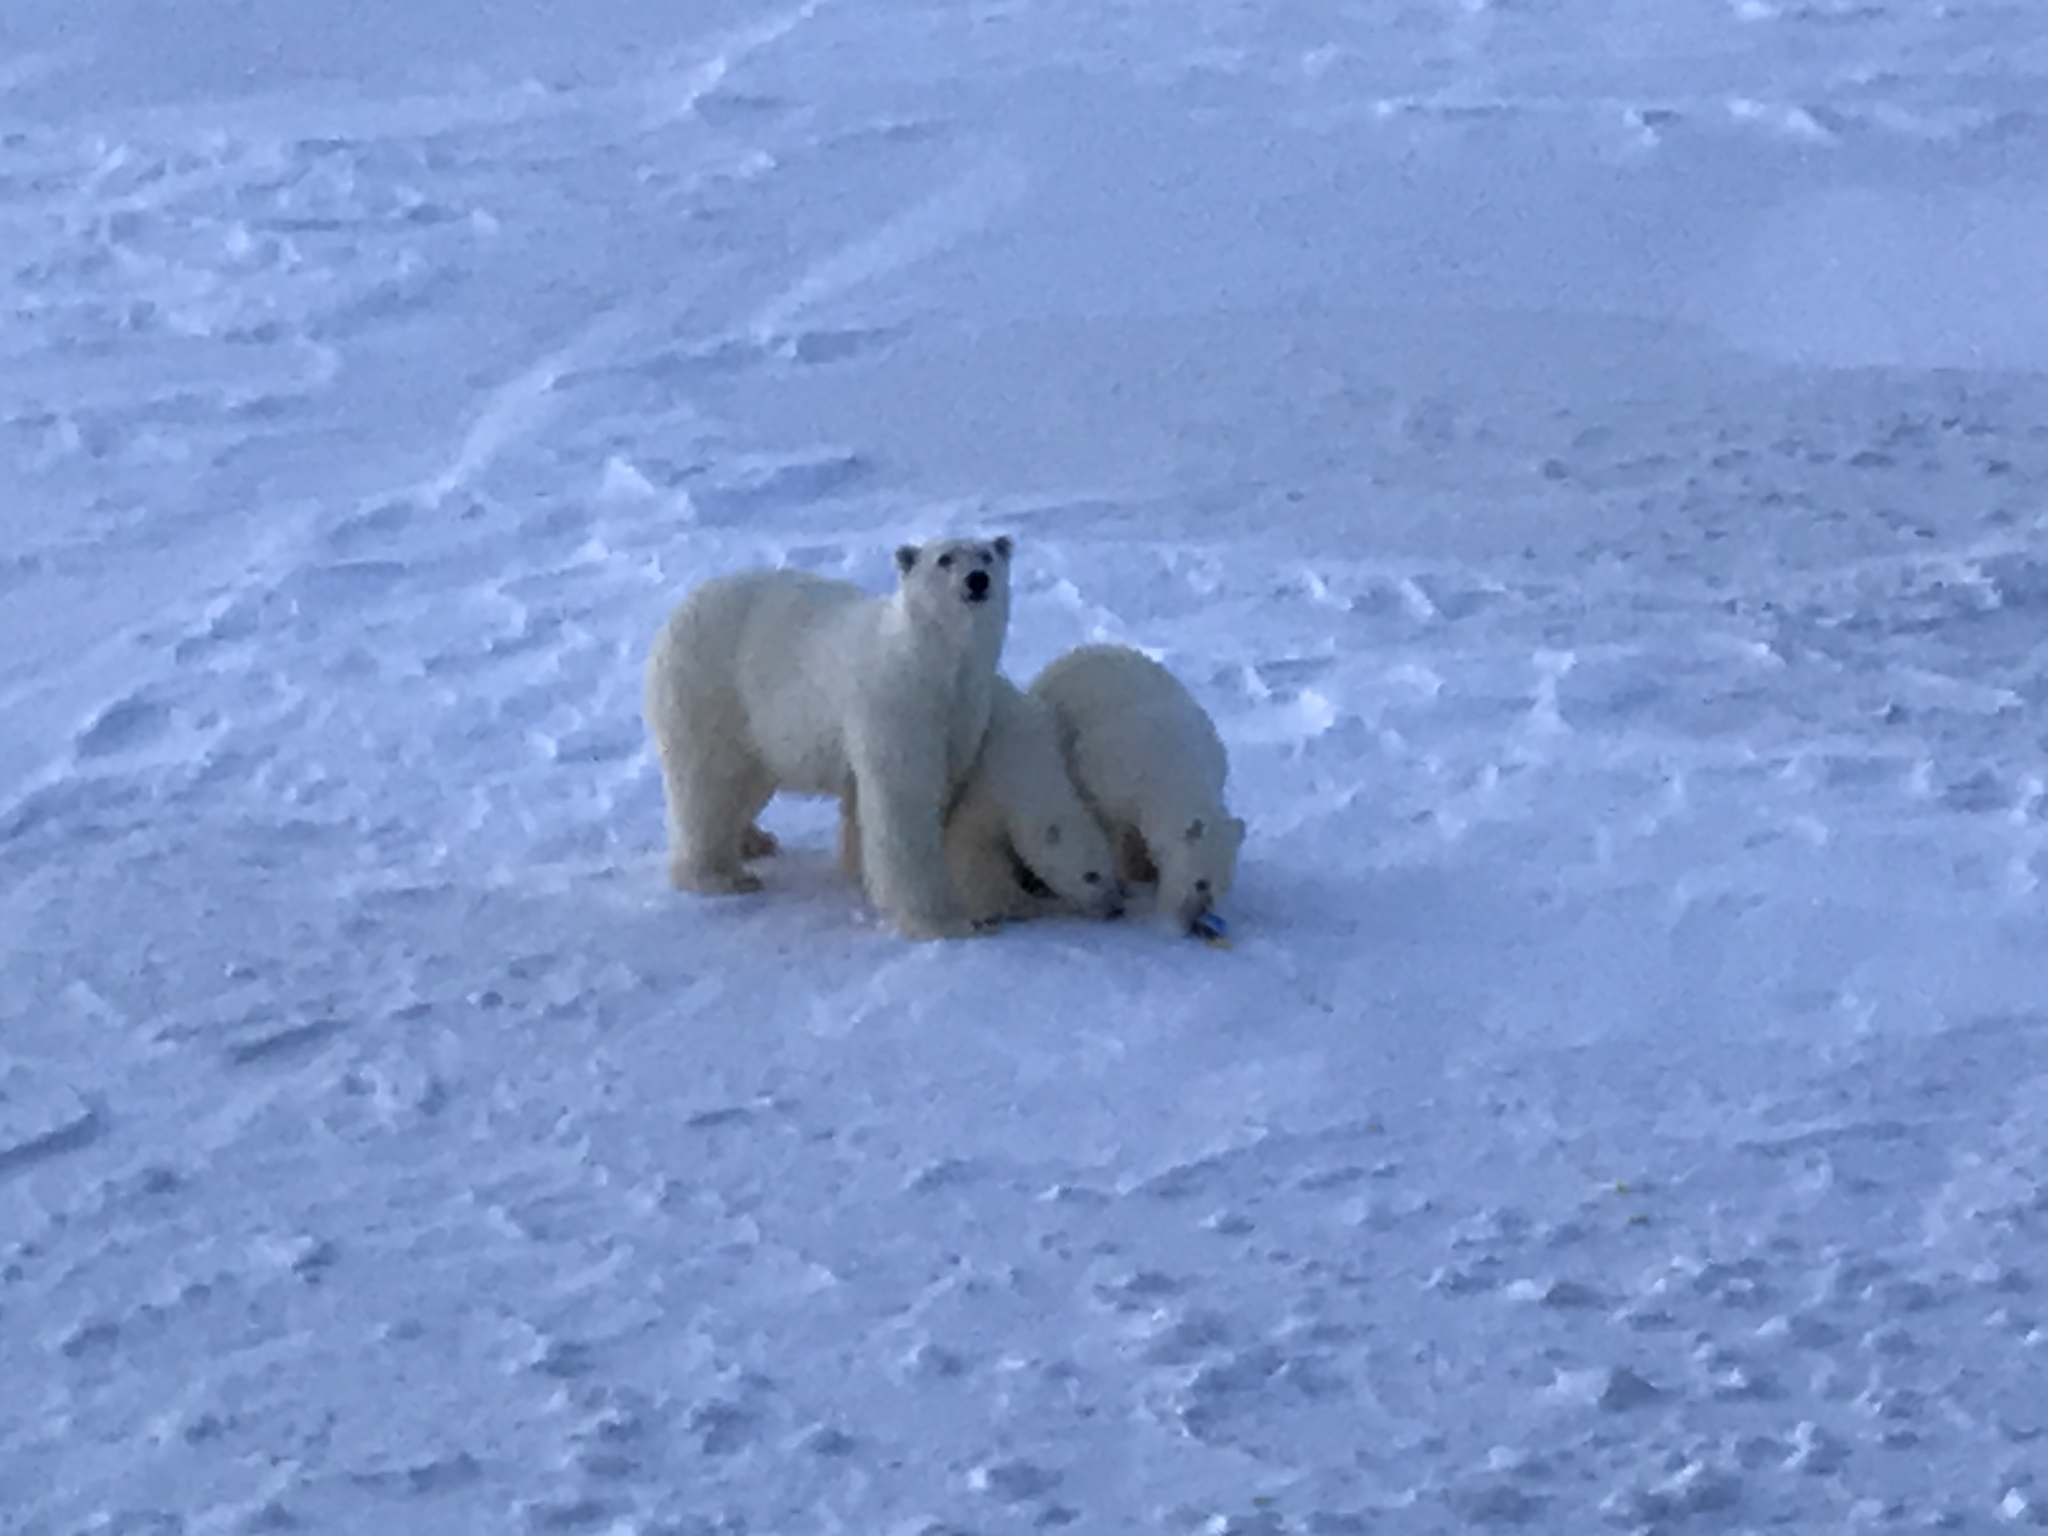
[[781, 680], [1020, 842], [1147, 759]]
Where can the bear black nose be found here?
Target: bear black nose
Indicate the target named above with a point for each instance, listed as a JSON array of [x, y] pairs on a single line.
[[977, 583]]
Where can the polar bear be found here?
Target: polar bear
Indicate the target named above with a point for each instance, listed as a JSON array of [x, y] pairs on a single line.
[[1148, 760], [776, 680], [1020, 842]]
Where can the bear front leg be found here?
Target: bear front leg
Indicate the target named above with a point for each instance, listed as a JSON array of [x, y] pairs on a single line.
[[1134, 862], [902, 847], [849, 834]]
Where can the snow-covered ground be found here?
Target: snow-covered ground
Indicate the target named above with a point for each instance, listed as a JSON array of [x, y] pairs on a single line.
[[1590, 455]]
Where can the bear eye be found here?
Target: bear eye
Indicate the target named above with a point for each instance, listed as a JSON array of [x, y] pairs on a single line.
[[1052, 835], [945, 562], [1202, 886], [1091, 878]]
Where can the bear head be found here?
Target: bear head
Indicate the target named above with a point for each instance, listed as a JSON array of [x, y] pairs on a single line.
[[956, 583], [1068, 853], [1196, 868]]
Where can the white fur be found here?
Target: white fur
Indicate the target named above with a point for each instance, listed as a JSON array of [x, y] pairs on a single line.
[[1147, 759], [779, 680], [1020, 806]]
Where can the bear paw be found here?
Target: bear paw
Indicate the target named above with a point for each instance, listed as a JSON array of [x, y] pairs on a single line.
[[952, 926], [758, 843], [713, 882]]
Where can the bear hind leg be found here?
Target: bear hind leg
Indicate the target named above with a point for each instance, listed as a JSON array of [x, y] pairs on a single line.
[[711, 813], [849, 835]]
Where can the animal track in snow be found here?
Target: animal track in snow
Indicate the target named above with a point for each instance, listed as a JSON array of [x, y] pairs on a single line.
[[123, 726], [40, 1121]]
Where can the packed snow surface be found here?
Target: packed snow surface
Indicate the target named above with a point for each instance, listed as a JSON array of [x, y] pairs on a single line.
[[1588, 456]]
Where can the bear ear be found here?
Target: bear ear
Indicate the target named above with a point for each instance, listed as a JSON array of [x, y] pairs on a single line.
[[1002, 546], [1195, 830], [906, 558]]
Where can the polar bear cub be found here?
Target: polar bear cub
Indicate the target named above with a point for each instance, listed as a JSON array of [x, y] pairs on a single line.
[[1147, 759], [1020, 823], [1020, 841], [778, 680]]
